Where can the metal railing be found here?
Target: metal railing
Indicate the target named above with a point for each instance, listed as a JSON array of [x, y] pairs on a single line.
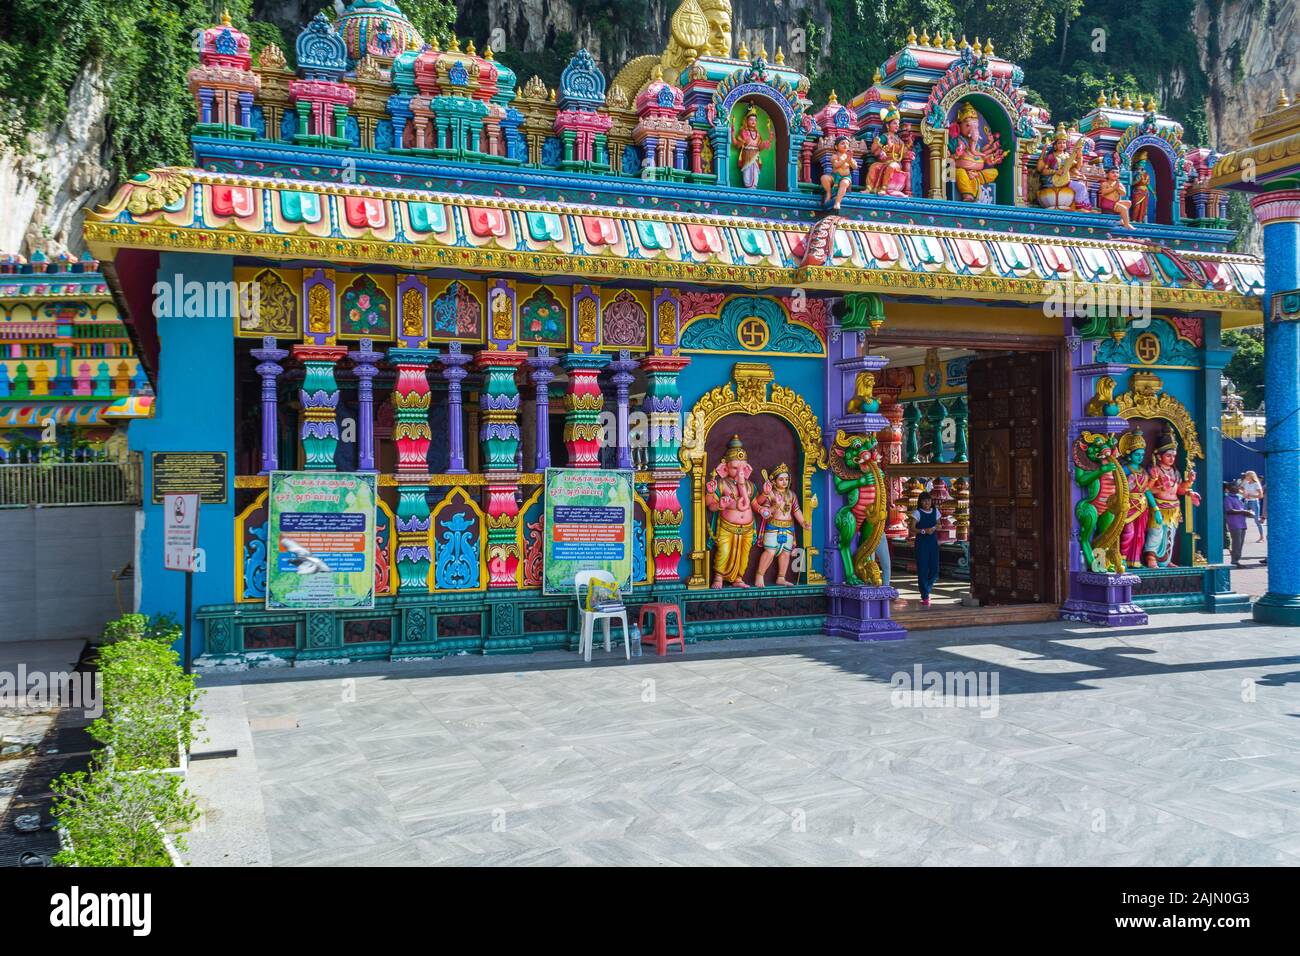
[[90, 482]]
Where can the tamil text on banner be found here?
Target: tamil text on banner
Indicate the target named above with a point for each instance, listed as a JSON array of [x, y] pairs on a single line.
[[588, 526], [323, 541]]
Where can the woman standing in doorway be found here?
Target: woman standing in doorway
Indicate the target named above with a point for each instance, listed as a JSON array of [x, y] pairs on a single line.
[[926, 522], [1252, 492]]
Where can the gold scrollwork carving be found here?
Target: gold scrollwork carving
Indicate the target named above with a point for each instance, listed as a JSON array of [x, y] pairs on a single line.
[[1147, 400]]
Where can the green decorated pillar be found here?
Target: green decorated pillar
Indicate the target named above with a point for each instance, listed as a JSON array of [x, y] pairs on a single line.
[[320, 402], [411, 433]]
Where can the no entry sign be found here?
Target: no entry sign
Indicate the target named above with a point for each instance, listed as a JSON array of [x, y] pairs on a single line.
[[180, 532]]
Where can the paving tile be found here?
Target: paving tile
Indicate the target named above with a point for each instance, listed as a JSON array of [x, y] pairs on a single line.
[[1097, 750]]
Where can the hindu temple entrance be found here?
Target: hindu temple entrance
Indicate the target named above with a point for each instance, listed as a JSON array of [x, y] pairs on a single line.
[[980, 430]]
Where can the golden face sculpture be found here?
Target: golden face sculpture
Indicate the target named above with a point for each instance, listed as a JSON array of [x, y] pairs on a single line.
[[718, 13]]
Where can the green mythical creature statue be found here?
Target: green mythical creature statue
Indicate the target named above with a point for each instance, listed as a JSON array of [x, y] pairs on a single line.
[[860, 311], [855, 465], [1104, 504]]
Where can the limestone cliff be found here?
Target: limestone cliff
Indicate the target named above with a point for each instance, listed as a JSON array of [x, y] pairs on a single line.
[[615, 33], [1250, 52], [65, 170]]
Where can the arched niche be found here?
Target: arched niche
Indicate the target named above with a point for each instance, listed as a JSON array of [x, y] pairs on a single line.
[[772, 128], [995, 114], [1162, 162], [780, 105], [784, 416]]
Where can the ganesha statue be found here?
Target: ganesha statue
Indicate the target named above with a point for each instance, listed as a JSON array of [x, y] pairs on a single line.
[[729, 497], [975, 160]]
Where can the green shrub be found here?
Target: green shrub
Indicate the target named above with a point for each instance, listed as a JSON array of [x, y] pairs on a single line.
[[148, 704], [113, 818], [162, 628]]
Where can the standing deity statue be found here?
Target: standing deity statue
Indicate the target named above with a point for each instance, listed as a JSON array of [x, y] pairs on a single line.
[[840, 178], [886, 175], [855, 463], [729, 497], [1101, 510], [1142, 191], [976, 162], [1167, 488], [1132, 457], [780, 511], [749, 141], [1062, 185], [697, 28]]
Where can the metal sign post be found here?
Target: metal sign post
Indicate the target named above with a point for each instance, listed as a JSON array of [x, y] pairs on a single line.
[[180, 539]]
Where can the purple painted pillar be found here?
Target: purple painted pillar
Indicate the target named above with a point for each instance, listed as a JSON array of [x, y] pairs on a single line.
[[269, 358], [453, 370], [622, 378], [365, 360], [1096, 597], [857, 612], [541, 365]]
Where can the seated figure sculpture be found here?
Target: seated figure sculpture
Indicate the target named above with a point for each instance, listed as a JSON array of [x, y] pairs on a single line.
[[1062, 185], [976, 161], [886, 176]]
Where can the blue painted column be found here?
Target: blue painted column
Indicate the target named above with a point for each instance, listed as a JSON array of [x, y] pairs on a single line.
[[1280, 214], [195, 411], [1219, 596]]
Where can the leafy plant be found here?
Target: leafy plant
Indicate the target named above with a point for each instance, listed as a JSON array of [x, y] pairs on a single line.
[[148, 705], [113, 818], [162, 628], [1246, 368]]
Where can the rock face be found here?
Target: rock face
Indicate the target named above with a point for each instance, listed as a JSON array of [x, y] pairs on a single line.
[[66, 170], [533, 25], [1250, 52]]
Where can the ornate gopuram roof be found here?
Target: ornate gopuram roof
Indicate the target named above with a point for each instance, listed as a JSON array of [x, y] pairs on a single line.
[[431, 159]]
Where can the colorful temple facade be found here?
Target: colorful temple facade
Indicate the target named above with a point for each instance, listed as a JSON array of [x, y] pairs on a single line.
[[787, 318], [70, 380]]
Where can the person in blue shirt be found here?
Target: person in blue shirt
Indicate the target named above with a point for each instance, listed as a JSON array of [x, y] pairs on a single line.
[[1235, 514], [926, 522]]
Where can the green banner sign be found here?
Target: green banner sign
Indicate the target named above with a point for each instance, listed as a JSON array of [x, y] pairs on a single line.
[[321, 537], [588, 526]]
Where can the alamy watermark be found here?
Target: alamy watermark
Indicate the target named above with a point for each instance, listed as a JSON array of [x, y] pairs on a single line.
[[177, 297], [977, 690], [49, 690]]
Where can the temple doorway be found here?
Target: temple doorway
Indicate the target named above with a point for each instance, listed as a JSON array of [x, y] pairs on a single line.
[[980, 429]]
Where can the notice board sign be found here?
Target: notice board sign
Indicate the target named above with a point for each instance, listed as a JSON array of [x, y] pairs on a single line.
[[189, 472], [180, 531], [588, 526], [321, 526]]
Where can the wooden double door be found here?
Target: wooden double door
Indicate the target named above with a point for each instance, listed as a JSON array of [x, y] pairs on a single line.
[[1014, 479]]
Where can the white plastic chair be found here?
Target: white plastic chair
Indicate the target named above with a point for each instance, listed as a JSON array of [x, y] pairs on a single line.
[[582, 582]]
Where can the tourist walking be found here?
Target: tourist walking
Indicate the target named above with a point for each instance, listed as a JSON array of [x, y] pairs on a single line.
[[926, 523], [1235, 514], [1252, 492]]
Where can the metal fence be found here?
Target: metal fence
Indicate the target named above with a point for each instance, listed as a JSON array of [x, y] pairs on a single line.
[[113, 482]]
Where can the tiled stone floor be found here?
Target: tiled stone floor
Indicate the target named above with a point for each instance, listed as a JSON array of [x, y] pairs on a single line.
[[1175, 744]]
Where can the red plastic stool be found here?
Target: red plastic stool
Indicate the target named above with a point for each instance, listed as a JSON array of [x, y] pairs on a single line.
[[660, 638]]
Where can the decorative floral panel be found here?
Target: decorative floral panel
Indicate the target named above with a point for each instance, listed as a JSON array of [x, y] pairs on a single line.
[[366, 307], [544, 314]]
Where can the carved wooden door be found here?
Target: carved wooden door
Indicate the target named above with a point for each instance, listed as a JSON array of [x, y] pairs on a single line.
[[1010, 532]]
